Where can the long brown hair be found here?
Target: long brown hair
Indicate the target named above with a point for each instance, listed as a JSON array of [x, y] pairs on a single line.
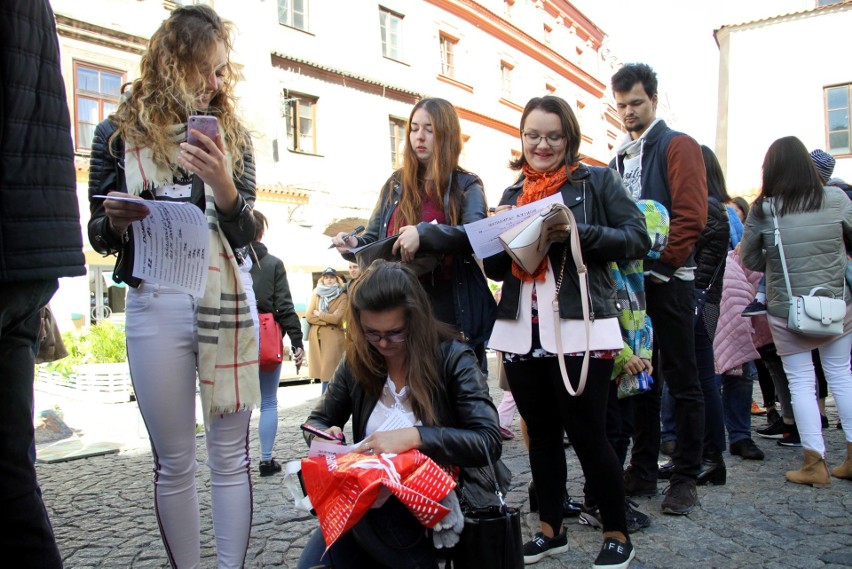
[[447, 146], [171, 80], [790, 176], [386, 286], [570, 127]]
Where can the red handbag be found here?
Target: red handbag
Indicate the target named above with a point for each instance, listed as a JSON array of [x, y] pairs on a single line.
[[271, 342]]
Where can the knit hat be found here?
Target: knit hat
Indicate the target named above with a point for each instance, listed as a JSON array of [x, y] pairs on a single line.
[[824, 163]]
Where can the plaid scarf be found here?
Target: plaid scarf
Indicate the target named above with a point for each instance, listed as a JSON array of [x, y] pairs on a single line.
[[538, 185], [227, 348]]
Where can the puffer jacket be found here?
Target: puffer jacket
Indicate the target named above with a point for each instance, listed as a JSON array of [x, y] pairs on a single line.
[[106, 169], [40, 236], [473, 302], [711, 251], [815, 245], [272, 291], [611, 228], [733, 344], [466, 415]]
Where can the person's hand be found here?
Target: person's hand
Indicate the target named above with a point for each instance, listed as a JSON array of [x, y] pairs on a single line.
[[502, 208], [559, 233], [407, 243], [211, 164], [122, 213], [316, 313], [337, 433], [394, 442], [343, 243], [648, 367], [298, 356], [634, 365]]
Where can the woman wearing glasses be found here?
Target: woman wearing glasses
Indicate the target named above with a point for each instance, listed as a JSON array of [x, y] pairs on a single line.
[[426, 202], [611, 228], [401, 366]]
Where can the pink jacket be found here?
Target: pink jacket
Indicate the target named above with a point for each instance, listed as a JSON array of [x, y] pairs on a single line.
[[734, 343]]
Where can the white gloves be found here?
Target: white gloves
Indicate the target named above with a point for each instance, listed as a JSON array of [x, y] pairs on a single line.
[[446, 532]]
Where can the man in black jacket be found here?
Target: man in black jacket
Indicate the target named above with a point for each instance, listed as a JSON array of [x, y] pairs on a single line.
[[41, 242]]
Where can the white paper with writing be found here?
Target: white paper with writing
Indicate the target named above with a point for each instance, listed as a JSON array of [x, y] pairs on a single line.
[[171, 245], [483, 234]]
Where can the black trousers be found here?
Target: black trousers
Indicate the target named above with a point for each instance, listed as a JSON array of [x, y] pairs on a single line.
[[671, 306], [548, 410]]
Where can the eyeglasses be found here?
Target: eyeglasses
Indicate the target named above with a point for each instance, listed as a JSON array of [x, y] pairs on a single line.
[[392, 337], [553, 140]]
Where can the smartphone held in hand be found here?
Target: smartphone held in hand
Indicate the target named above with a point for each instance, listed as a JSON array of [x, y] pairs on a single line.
[[208, 125]]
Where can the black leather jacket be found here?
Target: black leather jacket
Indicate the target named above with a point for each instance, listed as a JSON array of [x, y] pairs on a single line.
[[473, 302], [611, 229], [106, 174], [711, 251], [466, 415]]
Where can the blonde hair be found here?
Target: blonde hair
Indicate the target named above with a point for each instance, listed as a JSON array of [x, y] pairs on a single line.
[[171, 81]]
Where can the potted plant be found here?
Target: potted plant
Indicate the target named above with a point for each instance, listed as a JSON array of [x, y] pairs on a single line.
[[96, 365]]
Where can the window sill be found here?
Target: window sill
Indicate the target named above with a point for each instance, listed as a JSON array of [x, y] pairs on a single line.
[[296, 29], [396, 60], [511, 105], [304, 153], [455, 83]]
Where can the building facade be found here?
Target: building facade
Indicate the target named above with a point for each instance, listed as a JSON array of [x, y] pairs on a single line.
[[328, 85], [770, 87]]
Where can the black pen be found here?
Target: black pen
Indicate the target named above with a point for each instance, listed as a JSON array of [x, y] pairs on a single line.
[[352, 233]]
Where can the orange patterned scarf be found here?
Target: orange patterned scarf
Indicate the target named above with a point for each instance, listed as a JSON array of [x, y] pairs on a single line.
[[539, 185]]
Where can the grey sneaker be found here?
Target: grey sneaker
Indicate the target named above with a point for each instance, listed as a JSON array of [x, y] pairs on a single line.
[[681, 497]]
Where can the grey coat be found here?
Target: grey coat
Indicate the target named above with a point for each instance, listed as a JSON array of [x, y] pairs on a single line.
[[815, 245]]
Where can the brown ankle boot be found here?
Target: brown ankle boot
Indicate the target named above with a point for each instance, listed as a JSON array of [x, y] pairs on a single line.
[[814, 471], [845, 469]]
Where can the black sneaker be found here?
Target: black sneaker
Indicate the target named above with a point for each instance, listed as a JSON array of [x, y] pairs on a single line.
[[791, 438], [681, 497], [747, 449], [665, 469], [269, 467], [614, 555], [591, 517], [775, 430], [636, 520], [635, 486], [824, 421], [542, 546], [754, 308], [772, 417]]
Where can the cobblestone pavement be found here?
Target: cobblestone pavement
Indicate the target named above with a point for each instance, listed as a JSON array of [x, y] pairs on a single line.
[[102, 507]]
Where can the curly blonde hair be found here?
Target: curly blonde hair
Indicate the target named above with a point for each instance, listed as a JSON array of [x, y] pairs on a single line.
[[172, 78]]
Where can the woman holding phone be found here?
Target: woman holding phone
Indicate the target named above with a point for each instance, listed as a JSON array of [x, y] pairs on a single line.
[[141, 152], [401, 367], [426, 203]]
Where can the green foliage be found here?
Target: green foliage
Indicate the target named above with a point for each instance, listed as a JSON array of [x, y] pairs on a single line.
[[102, 343]]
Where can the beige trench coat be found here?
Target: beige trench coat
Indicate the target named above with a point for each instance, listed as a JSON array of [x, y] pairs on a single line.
[[325, 340]]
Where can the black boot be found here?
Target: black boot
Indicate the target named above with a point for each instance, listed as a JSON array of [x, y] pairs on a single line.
[[713, 470], [570, 508]]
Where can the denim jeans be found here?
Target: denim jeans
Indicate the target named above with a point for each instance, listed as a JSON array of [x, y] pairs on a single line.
[[736, 399], [671, 306], [385, 537], [267, 426], [25, 530]]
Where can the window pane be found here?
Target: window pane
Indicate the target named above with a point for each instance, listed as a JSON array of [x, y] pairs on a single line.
[[110, 84], [109, 108], [87, 111], [284, 12], [838, 142], [837, 98], [87, 80], [838, 120], [85, 134]]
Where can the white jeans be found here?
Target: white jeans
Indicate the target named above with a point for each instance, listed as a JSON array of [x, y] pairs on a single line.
[[162, 349], [800, 375]]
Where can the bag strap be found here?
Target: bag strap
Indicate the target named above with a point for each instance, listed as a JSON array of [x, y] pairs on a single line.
[[497, 489], [583, 274], [783, 259]]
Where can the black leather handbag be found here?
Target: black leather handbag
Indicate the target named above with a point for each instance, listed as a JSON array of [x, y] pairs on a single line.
[[492, 530]]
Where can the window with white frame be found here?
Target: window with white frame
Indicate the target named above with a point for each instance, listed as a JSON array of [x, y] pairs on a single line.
[[397, 141], [837, 104], [293, 13], [391, 28], [301, 123], [506, 80], [448, 56], [96, 94]]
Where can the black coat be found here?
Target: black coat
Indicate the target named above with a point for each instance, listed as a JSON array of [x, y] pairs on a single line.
[[611, 229], [466, 415], [40, 236], [272, 291], [711, 251], [106, 169]]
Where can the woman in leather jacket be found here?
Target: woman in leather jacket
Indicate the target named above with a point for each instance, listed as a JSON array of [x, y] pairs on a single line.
[[140, 154], [427, 202], [611, 228], [401, 366]]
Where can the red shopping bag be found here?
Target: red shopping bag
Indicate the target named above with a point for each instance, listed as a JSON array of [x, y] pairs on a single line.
[[342, 488]]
